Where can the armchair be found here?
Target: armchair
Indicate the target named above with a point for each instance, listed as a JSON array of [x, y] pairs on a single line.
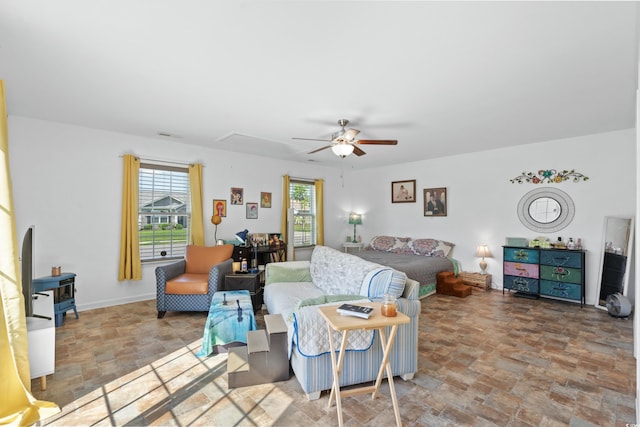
[[189, 284]]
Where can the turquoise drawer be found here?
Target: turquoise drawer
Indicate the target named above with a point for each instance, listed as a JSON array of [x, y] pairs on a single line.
[[561, 290], [523, 284], [561, 274], [529, 256], [561, 258]]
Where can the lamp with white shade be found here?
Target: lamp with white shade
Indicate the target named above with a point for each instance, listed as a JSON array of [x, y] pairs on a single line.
[[483, 251], [342, 149]]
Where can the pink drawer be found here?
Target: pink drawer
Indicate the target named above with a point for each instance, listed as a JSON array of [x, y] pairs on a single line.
[[521, 269]]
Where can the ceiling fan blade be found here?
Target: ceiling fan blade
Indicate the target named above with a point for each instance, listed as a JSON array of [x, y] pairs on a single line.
[[358, 151], [313, 139], [319, 149], [378, 141]]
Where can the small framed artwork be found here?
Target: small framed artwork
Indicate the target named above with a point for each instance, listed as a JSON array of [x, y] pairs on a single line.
[[220, 207], [435, 201], [237, 196], [252, 211], [265, 200], [403, 191]]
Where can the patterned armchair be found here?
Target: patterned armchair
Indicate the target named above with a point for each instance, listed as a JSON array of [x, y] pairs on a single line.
[[189, 284]]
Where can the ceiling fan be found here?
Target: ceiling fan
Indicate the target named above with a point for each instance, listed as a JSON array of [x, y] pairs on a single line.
[[343, 142]]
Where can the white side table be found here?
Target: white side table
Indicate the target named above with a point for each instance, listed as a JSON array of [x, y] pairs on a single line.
[[346, 246]]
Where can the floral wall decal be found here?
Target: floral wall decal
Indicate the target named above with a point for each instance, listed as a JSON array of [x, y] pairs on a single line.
[[545, 176]]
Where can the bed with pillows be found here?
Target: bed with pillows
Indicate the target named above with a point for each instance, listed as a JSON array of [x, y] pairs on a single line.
[[420, 259]]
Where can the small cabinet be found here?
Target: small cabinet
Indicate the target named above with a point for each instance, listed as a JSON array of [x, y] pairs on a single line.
[[248, 282], [551, 273]]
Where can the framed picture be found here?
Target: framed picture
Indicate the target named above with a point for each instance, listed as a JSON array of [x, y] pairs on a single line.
[[403, 191], [220, 207], [252, 211], [435, 202], [237, 196], [265, 200]]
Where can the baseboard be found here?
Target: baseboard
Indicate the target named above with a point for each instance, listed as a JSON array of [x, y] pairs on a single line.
[[112, 302]]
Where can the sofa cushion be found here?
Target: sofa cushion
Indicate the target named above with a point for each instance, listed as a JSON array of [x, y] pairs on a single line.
[[282, 298], [324, 299], [200, 259], [336, 272], [188, 284], [383, 281], [287, 273]]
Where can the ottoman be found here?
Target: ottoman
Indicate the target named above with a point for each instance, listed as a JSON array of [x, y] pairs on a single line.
[[230, 318]]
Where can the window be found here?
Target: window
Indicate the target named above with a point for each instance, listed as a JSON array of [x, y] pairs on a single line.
[[302, 195], [164, 212]]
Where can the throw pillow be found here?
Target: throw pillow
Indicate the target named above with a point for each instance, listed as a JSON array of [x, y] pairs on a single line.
[[200, 259], [277, 274], [323, 299], [430, 247]]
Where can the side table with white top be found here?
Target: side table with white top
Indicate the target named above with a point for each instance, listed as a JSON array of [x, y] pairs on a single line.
[[344, 324], [348, 245]]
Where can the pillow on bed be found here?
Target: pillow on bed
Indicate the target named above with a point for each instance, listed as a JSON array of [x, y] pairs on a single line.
[[396, 245], [430, 247]]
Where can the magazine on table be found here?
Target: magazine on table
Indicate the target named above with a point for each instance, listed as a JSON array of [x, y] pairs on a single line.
[[355, 310]]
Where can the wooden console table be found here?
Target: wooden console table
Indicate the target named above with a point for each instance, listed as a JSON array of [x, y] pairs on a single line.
[[344, 324]]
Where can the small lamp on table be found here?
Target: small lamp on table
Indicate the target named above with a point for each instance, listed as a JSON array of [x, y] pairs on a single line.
[[355, 219], [483, 251]]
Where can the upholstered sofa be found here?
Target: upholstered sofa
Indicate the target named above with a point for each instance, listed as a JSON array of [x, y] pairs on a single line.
[[294, 289], [189, 284]]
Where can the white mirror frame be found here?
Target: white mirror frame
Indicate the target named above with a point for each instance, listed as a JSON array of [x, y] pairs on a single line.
[[628, 252], [567, 210]]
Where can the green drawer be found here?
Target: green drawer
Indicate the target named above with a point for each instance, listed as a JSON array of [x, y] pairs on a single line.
[[561, 274], [561, 290], [528, 256], [561, 258]]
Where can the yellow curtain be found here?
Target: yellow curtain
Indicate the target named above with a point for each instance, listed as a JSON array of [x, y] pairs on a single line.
[[130, 266], [286, 204], [319, 184], [197, 222], [17, 406]]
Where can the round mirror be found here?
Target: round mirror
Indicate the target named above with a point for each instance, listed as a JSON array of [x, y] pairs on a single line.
[[546, 210]]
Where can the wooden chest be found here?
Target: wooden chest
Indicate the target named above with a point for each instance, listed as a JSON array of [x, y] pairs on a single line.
[[480, 282]]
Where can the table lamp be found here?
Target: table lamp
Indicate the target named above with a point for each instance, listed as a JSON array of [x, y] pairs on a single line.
[[355, 219], [483, 251], [242, 236]]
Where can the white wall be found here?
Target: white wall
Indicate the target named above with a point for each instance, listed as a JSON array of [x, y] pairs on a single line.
[[482, 201], [67, 181]]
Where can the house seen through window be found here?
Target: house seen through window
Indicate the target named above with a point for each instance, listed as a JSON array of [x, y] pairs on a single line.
[[302, 197], [164, 212]]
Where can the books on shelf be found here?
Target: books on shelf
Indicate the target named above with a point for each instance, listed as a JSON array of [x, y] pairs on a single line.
[[355, 310]]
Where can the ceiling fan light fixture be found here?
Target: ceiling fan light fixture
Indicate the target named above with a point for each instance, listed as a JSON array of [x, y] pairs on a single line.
[[342, 150], [350, 134]]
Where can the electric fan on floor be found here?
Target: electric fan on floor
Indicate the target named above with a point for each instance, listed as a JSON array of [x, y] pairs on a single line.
[[618, 305]]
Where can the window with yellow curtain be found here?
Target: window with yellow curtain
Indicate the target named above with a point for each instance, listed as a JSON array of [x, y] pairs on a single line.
[[164, 218], [302, 196]]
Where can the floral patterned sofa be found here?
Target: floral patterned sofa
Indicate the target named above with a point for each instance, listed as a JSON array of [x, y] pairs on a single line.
[[294, 289]]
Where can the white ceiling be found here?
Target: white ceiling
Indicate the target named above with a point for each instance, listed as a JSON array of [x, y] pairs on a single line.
[[441, 77]]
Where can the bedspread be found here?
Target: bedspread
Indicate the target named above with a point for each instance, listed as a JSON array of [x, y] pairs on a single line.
[[422, 269]]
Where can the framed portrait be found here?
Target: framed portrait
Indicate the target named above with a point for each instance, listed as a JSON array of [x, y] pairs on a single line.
[[237, 196], [220, 207], [252, 211], [265, 200], [403, 191], [435, 201]]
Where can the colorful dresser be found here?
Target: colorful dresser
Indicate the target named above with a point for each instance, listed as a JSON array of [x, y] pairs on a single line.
[[549, 273]]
